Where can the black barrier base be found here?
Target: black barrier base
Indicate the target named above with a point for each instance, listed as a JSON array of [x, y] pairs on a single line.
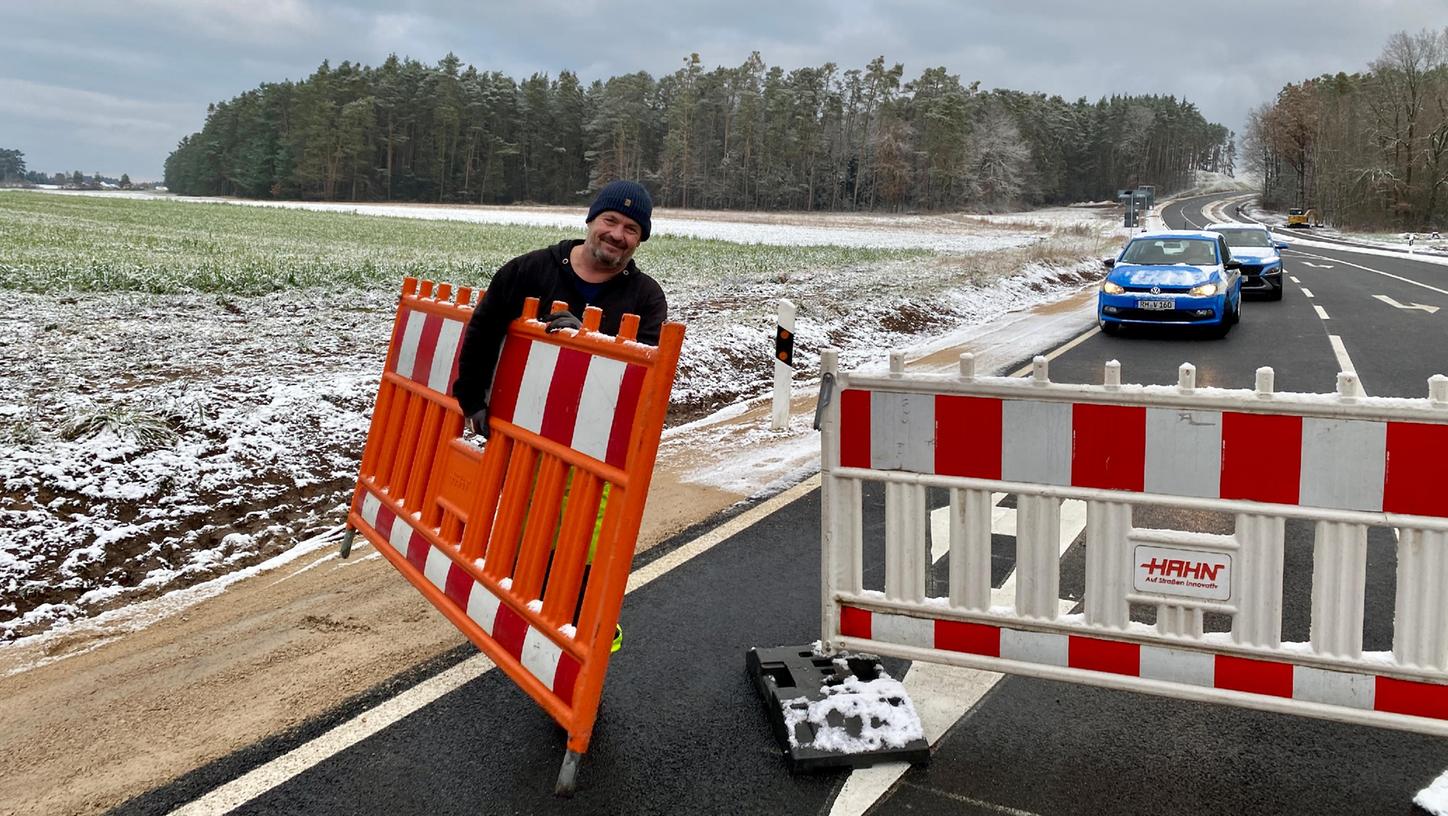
[[796, 673]]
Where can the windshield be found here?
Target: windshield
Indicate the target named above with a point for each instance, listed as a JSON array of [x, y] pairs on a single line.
[[1193, 251], [1245, 237]]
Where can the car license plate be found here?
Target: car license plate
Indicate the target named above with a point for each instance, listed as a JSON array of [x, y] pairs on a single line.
[[1156, 305]]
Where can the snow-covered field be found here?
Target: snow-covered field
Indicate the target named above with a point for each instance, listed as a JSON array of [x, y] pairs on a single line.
[[848, 230], [153, 442]]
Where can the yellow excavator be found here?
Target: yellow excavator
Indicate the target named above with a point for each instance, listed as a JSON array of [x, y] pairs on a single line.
[[1298, 217]]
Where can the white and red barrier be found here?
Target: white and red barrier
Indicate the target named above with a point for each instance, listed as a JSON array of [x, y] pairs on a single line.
[[1345, 462], [579, 400], [427, 348], [1338, 462]]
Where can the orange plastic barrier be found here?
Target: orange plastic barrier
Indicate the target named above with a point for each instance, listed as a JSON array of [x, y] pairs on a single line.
[[498, 539]]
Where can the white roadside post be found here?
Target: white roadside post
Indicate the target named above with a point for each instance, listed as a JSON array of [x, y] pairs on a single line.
[[783, 364]]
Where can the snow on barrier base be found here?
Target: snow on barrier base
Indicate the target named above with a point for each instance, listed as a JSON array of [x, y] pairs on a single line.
[[524, 545], [1344, 462], [835, 712]]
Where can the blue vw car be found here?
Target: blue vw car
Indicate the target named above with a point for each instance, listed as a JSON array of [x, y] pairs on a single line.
[[1176, 278], [1260, 254]]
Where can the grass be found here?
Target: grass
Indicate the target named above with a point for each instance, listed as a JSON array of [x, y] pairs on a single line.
[[55, 244], [145, 428]]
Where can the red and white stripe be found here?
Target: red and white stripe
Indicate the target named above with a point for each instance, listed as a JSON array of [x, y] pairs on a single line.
[[538, 653], [1345, 464], [1366, 692], [581, 400], [427, 348]]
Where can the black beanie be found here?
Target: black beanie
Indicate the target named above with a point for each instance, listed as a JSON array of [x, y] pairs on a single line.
[[627, 197]]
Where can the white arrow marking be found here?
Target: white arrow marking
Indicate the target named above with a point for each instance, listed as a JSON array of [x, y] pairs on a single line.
[[1316, 266], [1408, 306]]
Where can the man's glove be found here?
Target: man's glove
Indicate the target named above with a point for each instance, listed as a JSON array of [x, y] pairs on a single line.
[[478, 422], [562, 320]]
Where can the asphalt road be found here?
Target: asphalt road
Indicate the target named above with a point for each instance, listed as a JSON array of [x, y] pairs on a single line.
[[1395, 350], [1042, 747], [681, 730]]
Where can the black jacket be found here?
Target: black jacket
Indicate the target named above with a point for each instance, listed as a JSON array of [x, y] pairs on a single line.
[[546, 275]]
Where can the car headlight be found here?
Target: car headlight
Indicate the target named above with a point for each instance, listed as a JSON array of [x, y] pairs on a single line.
[[1112, 288], [1204, 290]]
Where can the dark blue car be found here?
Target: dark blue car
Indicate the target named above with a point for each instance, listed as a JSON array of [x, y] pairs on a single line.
[[1175, 278], [1260, 254]]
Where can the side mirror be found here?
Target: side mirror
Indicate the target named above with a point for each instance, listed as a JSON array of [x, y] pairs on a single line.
[[1234, 264], [1281, 245], [1109, 262]]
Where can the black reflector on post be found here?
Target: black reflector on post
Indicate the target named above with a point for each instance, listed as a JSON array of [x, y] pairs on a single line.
[[784, 345]]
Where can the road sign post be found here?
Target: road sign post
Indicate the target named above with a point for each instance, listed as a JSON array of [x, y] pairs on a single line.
[[783, 364]]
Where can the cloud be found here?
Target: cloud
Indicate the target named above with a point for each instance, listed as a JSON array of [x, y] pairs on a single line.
[[263, 22], [125, 59], [105, 118], [1227, 58]]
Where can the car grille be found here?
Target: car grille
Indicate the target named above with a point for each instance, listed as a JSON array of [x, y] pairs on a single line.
[[1252, 269], [1169, 316], [1164, 290]]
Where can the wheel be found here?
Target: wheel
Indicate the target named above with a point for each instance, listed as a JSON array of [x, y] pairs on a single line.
[[1112, 329], [1224, 325], [1237, 311], [1276, 292]]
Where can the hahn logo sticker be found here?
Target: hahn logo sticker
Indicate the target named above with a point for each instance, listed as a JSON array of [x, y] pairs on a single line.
[[1184, 573]]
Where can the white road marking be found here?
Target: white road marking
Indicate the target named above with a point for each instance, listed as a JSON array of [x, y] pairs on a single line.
[[1407, 306], [708, 540], [1384, 274], [1306, 291], [1434, 798], [1073, 521], [1321, 312], [943, 694], [1344, 362], [1316, 266], [1026, 369], [243, 789], [258, 781], [1294, 279]]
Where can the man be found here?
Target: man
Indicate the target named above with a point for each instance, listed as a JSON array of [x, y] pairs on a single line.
[[597, 270]]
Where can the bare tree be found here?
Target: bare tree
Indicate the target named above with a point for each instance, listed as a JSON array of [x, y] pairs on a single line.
[[998, 158], [1402, 78]]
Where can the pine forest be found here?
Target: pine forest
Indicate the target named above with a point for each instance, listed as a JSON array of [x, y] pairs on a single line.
[[746, 137]]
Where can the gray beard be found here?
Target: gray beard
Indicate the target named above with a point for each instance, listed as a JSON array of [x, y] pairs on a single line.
[[605, 263]]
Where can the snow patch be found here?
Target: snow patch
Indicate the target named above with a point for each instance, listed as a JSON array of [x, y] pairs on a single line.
[[1434, 798], [887, 716]]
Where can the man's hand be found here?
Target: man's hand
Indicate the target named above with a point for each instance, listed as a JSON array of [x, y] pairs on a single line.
[[562, 320], [478, 422]]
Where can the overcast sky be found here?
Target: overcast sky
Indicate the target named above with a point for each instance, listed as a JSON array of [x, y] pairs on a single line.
[[112, 85]]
